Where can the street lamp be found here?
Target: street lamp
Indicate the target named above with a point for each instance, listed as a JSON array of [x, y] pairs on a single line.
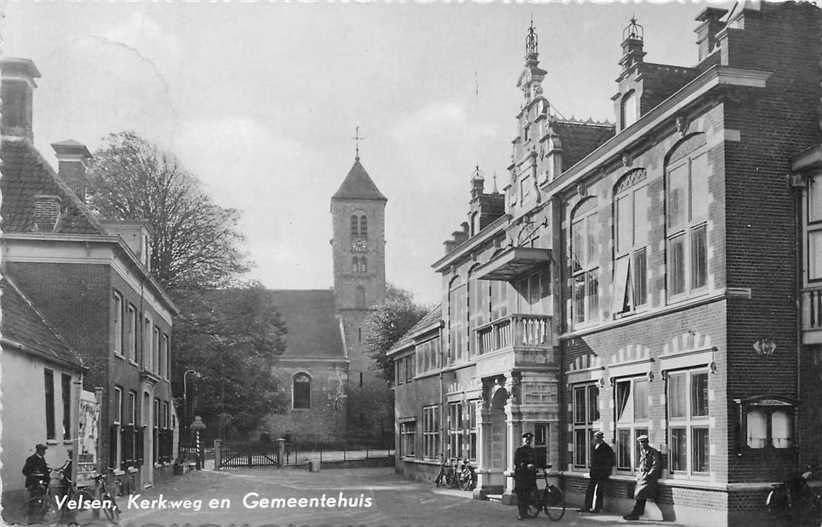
[[185, 397]]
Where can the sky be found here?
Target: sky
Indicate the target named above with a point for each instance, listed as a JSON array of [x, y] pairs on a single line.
[[260, 101]]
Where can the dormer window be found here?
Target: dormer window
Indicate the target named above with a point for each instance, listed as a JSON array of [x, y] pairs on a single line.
[[46, 213], [628, 110]]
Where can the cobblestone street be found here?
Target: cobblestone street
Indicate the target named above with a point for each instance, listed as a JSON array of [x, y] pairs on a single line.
[[372, 496]]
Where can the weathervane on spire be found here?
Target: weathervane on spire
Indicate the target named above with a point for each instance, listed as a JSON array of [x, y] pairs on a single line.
[[531, 40], [357, 140], [633, 30]]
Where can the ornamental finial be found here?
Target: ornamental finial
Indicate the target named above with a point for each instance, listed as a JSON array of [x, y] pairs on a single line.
[[357, 140], [633, 30], [531, 43]]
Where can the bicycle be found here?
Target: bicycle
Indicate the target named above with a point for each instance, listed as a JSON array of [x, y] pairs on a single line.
[[41, 505], [467, 479], [448, 475], [83, 505], [550, 500], [798, 500]]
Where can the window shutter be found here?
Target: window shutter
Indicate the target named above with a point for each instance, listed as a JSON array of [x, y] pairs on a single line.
[[622, 268]]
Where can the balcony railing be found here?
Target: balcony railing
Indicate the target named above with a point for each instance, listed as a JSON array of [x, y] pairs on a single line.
[[514, 331], [812, 315]]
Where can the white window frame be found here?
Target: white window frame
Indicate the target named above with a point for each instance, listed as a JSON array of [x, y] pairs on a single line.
[[431, 431], [408, 438], [457, 320], [585, 417], [117, 420], [630, 255], [633, 425], [118, 323], [813, 234], [688, 423], [148, 352], [688, 230], [584, 264], [131, 333], [155, 347], [455, 445]]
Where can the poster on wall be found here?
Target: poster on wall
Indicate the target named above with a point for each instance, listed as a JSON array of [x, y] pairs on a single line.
[[89, 433]]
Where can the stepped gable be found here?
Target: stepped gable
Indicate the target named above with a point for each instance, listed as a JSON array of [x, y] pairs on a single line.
[[580, 138], [24, 328], [26, 175], [358, 185], [314, 330], [432, 317]]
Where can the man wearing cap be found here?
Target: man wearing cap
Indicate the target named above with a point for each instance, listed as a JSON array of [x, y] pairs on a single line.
[[36, 471], [602, 461], [525, 474], [649, 470]]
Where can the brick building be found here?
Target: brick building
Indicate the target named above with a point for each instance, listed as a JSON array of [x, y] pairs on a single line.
[[91, 280], [642, 277]]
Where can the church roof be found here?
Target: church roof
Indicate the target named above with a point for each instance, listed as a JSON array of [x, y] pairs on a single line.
[[423, 326], [313, 327], [358, 185]]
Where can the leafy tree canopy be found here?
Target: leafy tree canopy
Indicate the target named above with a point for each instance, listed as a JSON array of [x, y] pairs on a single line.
[[231, 337], [194, 240], [390, 321]]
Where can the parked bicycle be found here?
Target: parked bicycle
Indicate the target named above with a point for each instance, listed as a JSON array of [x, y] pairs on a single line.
[[41, 504], [798, 500], [467, 479], [550, 500], [447, 476]]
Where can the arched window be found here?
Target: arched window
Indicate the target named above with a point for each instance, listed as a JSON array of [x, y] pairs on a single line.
[[363, 264], [359, 296], [687, 198], [585, 262], [302, 391], [363, 226], [628, 109], [354, 230], [479, 297], [355, 264], [630, 242]]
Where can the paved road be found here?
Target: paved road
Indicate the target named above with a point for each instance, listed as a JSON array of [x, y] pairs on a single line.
[[339, 497]]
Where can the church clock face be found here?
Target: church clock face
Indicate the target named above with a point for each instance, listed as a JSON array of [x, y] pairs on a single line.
[[359, 245]]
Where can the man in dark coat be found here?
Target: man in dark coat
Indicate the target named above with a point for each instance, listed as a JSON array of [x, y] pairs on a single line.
[[525, 474], [602, 461], [36, 471], [648, 472]]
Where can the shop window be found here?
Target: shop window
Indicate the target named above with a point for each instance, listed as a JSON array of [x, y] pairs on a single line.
[[302, 391], [687, 400], [631, 401], [586, 414]]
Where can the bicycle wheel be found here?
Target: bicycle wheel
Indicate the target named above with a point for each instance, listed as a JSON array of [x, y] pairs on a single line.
[[41, 509], [553, 502], [532, 509], [112, 513], [84, 514]]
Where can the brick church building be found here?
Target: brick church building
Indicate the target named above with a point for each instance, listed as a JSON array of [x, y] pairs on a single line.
[[333, 388], [658, 276]]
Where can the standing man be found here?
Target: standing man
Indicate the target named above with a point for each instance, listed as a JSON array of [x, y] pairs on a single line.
[[602, 461], [525, 474], [37, 475], [648, 472]]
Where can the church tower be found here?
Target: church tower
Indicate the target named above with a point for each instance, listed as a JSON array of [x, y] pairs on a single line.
[[358, 245]]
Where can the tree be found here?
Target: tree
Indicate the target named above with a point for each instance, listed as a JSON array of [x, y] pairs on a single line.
[[232, 337], [194, 241], [386, 325]]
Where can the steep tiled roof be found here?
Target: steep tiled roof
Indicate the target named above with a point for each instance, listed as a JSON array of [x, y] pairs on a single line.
[[313, 327], [580, 138], [25, 175], [22, 324], [358, 185], [430, 318]]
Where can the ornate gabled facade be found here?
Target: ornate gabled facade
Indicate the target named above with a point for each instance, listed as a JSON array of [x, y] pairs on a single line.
[[643, 279]]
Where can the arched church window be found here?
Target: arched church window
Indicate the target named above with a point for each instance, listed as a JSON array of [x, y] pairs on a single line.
[[355, 264], [360, 296], [354, 226], [302, 391], [363, 226]]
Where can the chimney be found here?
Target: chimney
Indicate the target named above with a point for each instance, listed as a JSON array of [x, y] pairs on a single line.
[[17, 92], [72, 158], [707, 30], [477, 184], [46, 213], [633, 37]]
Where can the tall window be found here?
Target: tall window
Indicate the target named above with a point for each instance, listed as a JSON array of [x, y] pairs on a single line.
[[66, 386], [541, 443], [48, 384], [630, 244], [155, 347], [156, 431], [687, 215], [164, 358], [479, 299], [131, 333], [628, 109], [431, 431], [359, 264], [688, 421], [586, 413], [117, 317], [631, 399], [354, 226], [499, 299], [533, 289], [584, 263], [408, 434], [457, 330], [455, 430], [814, 228], [302, 391], [471, 418], [147, 352], [115, 446], [363, 226]]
